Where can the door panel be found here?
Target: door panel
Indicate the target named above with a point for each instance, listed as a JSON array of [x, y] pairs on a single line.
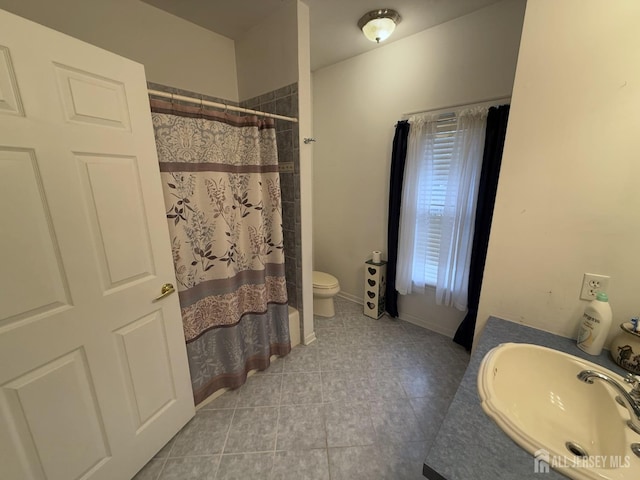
[[144, 357], [116, 214], [93, 372], [59, 396], [92, 99], [36, 283], [10, 102]]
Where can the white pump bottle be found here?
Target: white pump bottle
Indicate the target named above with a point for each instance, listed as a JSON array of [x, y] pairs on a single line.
[[596, 322]]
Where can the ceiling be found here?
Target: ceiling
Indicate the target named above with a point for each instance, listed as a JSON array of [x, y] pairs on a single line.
[[334, 33]]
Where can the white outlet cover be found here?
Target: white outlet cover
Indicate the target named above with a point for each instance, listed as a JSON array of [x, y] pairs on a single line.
[[588, 292]]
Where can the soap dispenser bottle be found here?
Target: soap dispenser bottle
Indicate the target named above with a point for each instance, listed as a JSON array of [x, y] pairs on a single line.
[[595, 325]]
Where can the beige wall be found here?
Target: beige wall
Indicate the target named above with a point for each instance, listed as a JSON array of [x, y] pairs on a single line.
[[566, 200], [356, 104], [267, 55], [174, 52]]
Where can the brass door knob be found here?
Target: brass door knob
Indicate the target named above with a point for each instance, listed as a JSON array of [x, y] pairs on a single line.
[[167, 289]]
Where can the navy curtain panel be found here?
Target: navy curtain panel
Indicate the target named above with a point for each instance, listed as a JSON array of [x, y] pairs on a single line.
[[398, 157], [491, 160]]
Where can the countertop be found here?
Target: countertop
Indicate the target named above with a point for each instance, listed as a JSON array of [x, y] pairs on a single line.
[[469, 445]]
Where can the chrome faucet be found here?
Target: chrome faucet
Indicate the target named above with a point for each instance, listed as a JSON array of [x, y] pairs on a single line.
[[630, 403], [634, 381]]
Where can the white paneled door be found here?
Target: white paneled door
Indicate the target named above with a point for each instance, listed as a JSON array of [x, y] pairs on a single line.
[[93, 369]]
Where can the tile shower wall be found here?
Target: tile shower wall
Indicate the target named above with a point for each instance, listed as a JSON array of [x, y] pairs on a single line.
[[284, 101]]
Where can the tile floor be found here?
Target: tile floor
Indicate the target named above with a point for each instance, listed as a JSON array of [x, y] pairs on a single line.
[[363, 401]]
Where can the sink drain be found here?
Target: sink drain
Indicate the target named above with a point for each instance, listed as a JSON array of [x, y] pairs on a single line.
[[576, 449]]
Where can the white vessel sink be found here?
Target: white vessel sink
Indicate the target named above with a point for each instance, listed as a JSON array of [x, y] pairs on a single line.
[[534, 395]]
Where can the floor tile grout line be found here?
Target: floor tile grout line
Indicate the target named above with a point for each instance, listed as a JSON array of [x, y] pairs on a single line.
[[418, 418], [166, 459], [226, 438], [275, 446], [275, 436], [326, 432], [162, 468], [256, 452], [297, 450], [198, 455], [324, 424]]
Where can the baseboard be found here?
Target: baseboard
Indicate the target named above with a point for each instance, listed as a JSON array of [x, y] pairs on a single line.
[[310, 338], [421, 322], [429, 325], [215, 395], [351, 298]]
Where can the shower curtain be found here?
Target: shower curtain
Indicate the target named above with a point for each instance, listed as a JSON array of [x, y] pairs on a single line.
[[222, 194]]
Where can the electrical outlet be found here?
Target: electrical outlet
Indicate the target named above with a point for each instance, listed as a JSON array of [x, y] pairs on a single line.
[[592, 284]]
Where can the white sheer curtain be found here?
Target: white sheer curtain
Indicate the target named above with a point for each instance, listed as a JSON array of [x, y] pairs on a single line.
[[420, 147], [440, 189]]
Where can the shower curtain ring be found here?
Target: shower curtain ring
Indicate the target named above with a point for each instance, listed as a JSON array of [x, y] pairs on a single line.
[[201, 108]]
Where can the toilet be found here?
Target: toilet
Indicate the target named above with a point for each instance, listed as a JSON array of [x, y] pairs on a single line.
[[325, 287]]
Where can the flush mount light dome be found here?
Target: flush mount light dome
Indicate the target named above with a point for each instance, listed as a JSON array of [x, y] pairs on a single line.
[[378, 25]]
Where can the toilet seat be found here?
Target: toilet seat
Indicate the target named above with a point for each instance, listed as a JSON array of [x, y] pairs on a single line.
[[322, 280]]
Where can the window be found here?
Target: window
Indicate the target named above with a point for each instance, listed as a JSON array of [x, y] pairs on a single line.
[[442, 172], [432, 190]]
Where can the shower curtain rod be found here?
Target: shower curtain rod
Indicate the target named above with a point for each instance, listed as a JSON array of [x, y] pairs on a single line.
[[207, 103], [449, 108]]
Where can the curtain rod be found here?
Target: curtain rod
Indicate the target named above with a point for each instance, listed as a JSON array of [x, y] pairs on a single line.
[[447, 109], [199, 101]]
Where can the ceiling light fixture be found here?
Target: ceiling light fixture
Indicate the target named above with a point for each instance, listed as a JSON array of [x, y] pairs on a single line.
[[378, 25]]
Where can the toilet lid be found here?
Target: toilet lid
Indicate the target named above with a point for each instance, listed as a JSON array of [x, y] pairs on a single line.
[[324, 280]]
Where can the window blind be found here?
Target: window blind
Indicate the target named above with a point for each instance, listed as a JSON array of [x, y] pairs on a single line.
[[431, 193]]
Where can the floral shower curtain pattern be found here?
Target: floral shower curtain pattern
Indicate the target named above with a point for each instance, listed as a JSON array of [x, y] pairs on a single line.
[[222, 194]]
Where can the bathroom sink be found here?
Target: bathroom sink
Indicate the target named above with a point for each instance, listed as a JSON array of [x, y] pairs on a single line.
[[534, 395]]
